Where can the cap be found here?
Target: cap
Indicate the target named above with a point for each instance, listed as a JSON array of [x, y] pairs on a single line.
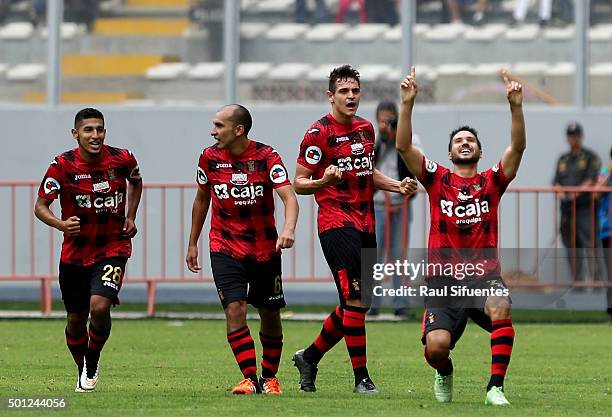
[[574, 128]]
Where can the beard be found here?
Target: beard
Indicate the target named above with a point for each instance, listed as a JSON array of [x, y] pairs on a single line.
[[457, 160]]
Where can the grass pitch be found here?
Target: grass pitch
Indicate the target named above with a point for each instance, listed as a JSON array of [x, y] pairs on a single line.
[[172, 368]]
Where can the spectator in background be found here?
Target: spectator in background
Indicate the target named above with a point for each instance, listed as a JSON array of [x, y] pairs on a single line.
[[382, 11], [395, 220], [578, 167], [301, 12], [544, 11], [343, 6], [454, 7], [78, 11], [605, 226]]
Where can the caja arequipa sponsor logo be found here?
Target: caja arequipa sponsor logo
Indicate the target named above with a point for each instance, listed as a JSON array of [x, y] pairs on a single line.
[[313, 155], [278, 174], [460, 211], [201, 177], [243, 195], [101, 203], [51, 185]]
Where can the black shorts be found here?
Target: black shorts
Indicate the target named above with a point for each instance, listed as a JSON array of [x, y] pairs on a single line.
[[342, 248], [453, 317], [78, 283], [259, 283]]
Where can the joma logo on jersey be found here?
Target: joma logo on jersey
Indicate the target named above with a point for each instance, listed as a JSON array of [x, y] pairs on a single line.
[[356, 163], [250, 192], [474, 209], [111, 201]]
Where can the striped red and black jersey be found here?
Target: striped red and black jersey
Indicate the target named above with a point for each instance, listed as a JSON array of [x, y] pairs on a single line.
[[241, 188], [348, 203], [96, 193], [463, 213]]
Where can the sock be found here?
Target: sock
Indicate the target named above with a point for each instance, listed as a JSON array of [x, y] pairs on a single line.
[[97, 339], [330, 335], [272, 349], [355, 338], [444, 367], [77, 347], [243, 347], [502, 339]]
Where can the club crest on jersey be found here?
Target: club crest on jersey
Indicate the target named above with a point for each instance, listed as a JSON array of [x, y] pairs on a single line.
[[476, 187], [201, 177], [101, 187], [111, 173], [430, 166], [251, 166], [239, 179], [51, 185], [431, 318], [278, 174], [361, 135], [313, 155], [357, 148]]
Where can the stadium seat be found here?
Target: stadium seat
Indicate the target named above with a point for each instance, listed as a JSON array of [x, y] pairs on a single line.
[[3, 68], [167, 71], [601, 33], [326, 32], [289, 71], [396, 75], [394, 34], [558, 81], [158, 3], [249, 71], [523, 33], [445, 32], [373, 72], [563, 34], [85, 97], [321, 72], [16, 31], [251, 30], [105, 65], [68, 30], [485, 33], [600, 78], [287, 31], [25, 72], [274, 6], [366, 32], [206, 71], [141, 26]]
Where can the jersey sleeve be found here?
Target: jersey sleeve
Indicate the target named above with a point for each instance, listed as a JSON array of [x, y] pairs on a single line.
[[51, 185], [431, 172], [499, 179], [311, 149], [133, 168], [201, 176], [277, 171]]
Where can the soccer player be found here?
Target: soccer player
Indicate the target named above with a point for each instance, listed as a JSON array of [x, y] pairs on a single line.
[[336, 164], [238, 175], [95, 183], [463, 210]]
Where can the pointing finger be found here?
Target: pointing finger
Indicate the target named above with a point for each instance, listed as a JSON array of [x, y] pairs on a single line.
[[413, 72]]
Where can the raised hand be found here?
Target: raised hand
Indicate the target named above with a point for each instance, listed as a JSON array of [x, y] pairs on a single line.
[[514, 91], [408, 87]]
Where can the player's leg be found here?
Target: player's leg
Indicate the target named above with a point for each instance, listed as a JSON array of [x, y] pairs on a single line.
[[74, 285], [230, 277], [105, 280], [441, 329], [266, 293], [497, 309]]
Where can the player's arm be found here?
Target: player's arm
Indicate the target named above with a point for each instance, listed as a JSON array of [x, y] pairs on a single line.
[[304, 184], [511, 158], [134, 191], [287, 237], [407, 186], [411, 155], [42, 210], [201, 203]]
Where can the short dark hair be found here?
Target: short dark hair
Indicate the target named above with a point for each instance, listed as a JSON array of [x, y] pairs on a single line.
[[393, 123], [342, 73], [87, 113], [386, 105], [241, 116], [460, 129]]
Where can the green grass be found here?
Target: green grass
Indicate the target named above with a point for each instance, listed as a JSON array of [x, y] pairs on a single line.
[[169, 368]]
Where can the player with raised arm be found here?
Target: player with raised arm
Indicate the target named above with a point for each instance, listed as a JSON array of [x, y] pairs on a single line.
[[463, 211], [95, 183], [239, 175], [336, 164]]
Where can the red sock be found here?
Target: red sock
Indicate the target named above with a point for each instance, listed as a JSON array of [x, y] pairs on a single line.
[[330, 335], [502, 339], [272, 349], [243, 347], [77, 347], [355, 338]]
